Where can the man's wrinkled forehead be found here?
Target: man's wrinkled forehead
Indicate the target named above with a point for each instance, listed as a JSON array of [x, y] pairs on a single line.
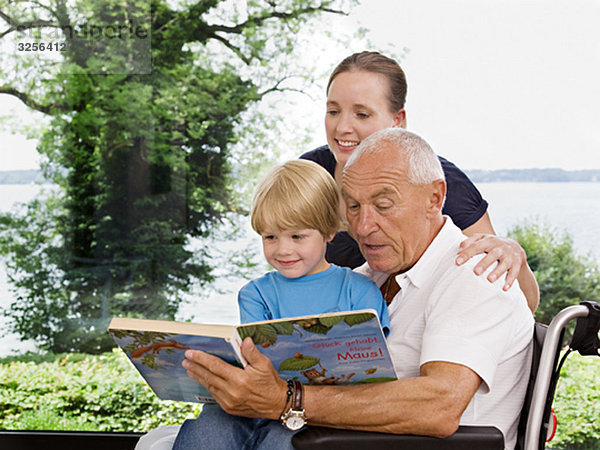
[[387, 167]]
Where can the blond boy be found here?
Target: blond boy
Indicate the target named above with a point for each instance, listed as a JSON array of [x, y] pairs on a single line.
[[296, 212]]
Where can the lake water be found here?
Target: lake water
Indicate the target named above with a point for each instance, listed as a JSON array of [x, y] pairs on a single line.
[[573, 207]]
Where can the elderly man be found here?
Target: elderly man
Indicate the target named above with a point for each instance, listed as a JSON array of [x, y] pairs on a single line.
[[460, 344]]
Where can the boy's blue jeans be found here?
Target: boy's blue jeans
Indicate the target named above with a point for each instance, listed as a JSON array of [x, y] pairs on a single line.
[[215, 429]]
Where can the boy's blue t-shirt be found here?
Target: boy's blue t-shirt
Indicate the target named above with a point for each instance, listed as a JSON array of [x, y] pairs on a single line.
[[274, 296]]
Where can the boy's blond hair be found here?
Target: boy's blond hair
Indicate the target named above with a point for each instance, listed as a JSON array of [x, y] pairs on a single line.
[[299, 195]]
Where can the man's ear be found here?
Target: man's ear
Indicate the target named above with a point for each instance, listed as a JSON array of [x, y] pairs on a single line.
[[400, 119], [330, 238], [437, 195]]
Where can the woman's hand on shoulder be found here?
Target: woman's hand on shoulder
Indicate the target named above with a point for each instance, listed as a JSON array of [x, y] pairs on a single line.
[[507, 253], [510, 256]]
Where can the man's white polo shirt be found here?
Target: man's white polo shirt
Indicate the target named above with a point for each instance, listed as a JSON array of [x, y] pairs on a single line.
[[445, 312]]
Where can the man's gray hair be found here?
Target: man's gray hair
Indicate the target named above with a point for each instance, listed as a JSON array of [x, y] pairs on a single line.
[[424, 166]]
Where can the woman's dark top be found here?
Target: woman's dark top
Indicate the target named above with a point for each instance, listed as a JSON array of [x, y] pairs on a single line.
[[464, 204]]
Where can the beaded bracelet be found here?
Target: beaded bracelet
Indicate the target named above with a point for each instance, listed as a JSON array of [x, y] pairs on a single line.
[[290, 391]]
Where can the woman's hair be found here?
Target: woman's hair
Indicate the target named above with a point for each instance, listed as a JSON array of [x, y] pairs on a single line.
[[298, 194], [377, 63], [424, 166]]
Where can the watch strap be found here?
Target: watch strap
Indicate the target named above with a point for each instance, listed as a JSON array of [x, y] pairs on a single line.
[[298, 401]]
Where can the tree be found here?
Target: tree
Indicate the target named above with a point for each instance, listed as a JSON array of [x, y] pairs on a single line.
[[145, 100], [564, 276]]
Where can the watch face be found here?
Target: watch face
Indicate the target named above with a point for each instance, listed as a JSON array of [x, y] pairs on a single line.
[[295, 422]]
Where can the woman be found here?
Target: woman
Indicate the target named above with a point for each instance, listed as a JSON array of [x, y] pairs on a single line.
[[365, 93]]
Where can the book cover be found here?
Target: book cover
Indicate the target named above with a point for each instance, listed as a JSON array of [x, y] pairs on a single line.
[[156, 349], [335, 348]]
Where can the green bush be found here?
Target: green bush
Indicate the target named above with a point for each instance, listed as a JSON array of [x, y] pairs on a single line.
[[564, 276], [82, 392]]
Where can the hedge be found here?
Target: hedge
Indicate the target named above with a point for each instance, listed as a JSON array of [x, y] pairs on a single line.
[[83, 392]]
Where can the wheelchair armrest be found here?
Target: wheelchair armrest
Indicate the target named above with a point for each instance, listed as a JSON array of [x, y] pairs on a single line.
[[466, 437]]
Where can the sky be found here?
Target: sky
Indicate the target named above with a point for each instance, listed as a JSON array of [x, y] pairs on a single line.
[[491, 84], [498, 84]]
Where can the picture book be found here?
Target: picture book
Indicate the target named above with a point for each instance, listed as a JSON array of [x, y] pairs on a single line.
[[334, 348]]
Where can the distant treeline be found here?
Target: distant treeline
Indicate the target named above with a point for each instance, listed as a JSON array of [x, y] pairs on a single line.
[[476, 175], [533, 175], [20, 176]]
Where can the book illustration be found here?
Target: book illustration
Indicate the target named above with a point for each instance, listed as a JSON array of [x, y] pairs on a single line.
[[265, 334], [315, 376], [147, 346], [156, 347], [333, 348]]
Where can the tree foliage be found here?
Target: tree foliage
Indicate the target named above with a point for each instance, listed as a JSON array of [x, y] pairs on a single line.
[[564, 276], [144, 103]]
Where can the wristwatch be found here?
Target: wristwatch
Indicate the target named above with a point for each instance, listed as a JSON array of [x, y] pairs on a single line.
[[294, 418]]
